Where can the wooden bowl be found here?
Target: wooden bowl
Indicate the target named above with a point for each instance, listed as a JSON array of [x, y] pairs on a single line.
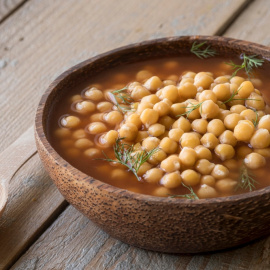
[[155, 223]]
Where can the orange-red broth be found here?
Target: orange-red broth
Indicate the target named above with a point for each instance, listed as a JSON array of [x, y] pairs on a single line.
[[121, 76]]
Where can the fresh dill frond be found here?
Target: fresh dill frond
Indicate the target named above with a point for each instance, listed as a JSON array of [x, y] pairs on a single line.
[[234, 93], [191, 196], [191, 108], [124, 154], [125, 98], [256, 120], [200, 52], [249, 63], [246, 180]]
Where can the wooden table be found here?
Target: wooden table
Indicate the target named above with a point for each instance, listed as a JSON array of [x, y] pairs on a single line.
[[39, 40]]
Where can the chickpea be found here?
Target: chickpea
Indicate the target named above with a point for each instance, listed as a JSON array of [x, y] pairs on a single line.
[[209, 109], [222, 79], [227, 137], [262, 113], [75, 98], [189, 74], [199, 125], [264, 152], [237, 80], [232, 120], [254, 161], [242, 151], [208, 95], [96, 128], [97, 117], [237, 100], [216, 127], [92, 153], [222, 114], [169, 82], [249, 114], [150, 143], [139, 92], [177, 109], [156, 130], [255, 102], [222, 92], [187, 90], [203, 79], [203, 152], [245, 89], [153, 175], [113, 118], [170, 164], [62, 133], [104, 106], [94, 94], [150, 99], [231, 164], [208, 180], [175, 134], [171, 180], [170, 92], [189, 140], [260, 139], [226, 185], [161, 192], [149, 117], [157, 157], [83, 143], [203, 166], [256, 82], [168, 145], [237, 109], [141, 136], [224, 151], [128, 131], [264, 122], [191, 112], [209, 140], [186, 80], [220, 171], [162, 108], [109, 138], [72, 152], [153, 83], [190, 177], [188, 156], [134, 119], [205, 192], [182, 123], [144, 168], [119, 174], [70, 121], [166, 121], [143, 75], [85, 107], [143, 106]]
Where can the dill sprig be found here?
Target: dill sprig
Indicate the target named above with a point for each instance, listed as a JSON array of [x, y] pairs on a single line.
[[234, 93], [202, 53], [191, 108], [124, 154], [249, 63], [191, 196], [246, 180], [256, 121], [125, 98]]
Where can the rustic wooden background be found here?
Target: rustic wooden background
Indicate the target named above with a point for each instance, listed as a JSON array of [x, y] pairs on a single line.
[[39, 40]]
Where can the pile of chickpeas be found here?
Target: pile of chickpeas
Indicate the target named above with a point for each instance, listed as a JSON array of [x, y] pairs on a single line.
[[202, 130]]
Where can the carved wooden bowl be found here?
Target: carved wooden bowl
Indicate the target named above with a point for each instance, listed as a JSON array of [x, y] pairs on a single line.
[[155, 223]]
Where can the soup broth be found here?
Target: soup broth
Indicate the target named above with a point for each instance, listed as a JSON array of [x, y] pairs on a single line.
[[182, 127]]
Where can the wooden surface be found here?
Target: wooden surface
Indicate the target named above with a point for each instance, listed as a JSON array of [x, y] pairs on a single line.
[[39, 40]]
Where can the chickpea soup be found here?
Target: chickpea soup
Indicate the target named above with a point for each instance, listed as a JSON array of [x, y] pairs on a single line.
[[184, 127]]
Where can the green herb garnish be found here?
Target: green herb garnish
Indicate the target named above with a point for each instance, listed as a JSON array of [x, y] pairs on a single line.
[[249, 63], [202, 53], [125, 98], [191, 196], [234, 93], [256, 121], [124, 154], [191, 108], [246, 180]]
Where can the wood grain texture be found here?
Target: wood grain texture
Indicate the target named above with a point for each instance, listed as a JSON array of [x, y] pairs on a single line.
[[41, 40], [253, 24], [8, 6], [33, 202], [74, 242]]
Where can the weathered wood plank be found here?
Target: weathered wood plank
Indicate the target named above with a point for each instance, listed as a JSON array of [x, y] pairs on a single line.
[[74, 242], [9, 6], [41, 40], [33, 203]]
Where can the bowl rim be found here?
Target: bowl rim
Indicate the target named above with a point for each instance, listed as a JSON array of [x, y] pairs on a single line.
[[40, 129]]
